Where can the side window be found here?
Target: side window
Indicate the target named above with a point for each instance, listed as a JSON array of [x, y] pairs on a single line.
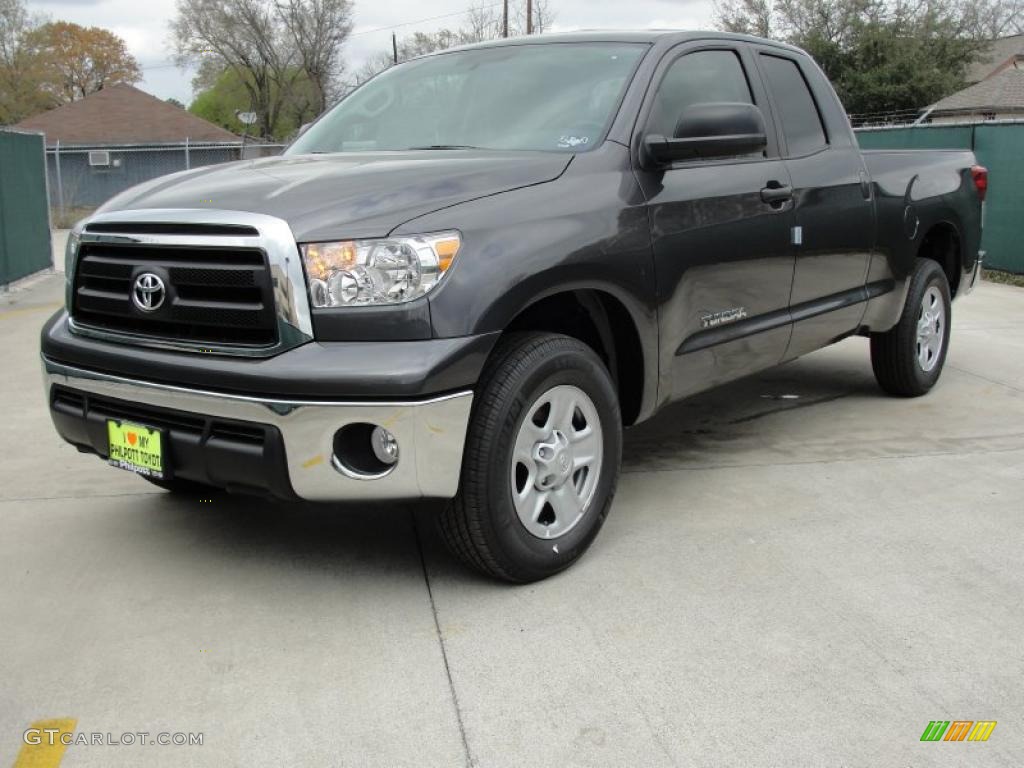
[[697, 78], [801, 121]]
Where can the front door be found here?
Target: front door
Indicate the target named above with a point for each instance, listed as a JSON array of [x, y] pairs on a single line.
[[721, 232]]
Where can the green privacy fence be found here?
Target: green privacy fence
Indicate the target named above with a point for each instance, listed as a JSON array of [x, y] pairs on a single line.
[[999, 146], [24, 212]]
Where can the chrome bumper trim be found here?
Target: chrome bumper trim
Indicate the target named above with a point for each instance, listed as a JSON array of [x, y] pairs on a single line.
[[976, 272], [430, 432]]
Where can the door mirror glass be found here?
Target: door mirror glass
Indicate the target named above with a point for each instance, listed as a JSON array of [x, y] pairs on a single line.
[[724, 129]]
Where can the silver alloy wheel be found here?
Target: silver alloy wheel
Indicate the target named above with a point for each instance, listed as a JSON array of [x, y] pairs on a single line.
[[556, 461], [931, 329]]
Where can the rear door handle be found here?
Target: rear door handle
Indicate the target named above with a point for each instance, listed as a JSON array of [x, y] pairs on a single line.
[[774, 195]]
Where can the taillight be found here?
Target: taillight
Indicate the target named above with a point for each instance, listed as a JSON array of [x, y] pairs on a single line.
[[980, 175]]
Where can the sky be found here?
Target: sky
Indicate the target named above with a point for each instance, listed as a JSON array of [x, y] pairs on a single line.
[[144, 26]]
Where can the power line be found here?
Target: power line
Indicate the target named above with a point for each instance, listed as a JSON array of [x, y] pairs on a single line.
[[423, 21]]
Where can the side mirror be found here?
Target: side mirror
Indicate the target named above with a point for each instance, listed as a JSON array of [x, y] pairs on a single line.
[[710, 130]]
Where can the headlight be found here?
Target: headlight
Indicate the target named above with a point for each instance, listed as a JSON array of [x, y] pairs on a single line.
[[389, 271]]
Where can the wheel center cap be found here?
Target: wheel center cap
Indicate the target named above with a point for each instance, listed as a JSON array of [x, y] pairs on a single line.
[[554, 459]]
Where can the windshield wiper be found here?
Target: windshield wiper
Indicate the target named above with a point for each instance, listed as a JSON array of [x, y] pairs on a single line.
[[446, 146]]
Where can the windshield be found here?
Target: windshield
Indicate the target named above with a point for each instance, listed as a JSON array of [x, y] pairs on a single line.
[[549, 97]]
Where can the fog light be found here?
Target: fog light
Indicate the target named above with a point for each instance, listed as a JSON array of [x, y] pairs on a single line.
[[385, 446], [364, 451]]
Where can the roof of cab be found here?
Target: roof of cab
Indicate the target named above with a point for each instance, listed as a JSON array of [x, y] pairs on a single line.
[[648, 36]]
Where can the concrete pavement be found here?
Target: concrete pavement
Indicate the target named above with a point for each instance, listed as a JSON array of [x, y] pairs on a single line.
[[783, 581]]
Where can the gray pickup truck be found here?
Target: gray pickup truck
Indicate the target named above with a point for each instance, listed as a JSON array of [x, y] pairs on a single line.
[[469, 276]]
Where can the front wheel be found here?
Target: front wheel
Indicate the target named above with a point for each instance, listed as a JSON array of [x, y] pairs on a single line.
[[541, 460], [908, 359]]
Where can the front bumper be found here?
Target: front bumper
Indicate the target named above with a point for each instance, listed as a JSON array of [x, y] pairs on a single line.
[[430, 434]]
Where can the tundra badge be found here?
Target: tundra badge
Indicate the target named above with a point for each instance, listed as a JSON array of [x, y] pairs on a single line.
[[716, 319]]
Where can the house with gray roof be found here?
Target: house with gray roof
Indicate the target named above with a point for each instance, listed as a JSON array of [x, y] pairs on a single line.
[[999, 96]]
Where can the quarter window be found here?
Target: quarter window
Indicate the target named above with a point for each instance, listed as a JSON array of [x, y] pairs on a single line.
[[801, 121], [697, 78]]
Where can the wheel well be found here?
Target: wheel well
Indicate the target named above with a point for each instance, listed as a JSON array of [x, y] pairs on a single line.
[[942, 244], [601, 322]]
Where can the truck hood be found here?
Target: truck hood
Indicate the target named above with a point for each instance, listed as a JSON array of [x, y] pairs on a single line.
[[346, 195]]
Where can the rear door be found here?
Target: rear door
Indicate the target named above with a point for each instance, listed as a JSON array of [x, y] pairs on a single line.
[[834, 214], [723, 261]]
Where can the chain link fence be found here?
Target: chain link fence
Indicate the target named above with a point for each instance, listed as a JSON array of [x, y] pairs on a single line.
[[908, 117], [86, 177]]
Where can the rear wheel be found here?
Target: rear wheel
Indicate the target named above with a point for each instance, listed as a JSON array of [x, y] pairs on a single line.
[[541, 460], [908, 359]]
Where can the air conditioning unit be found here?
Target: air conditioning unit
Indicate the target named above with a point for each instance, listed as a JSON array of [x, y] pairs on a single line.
[[99, 159]]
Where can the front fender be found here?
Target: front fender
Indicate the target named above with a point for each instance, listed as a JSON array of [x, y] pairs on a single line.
[[586, 230]]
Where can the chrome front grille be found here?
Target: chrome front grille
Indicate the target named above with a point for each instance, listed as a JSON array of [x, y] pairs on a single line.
[[213, 295], [229, 282]]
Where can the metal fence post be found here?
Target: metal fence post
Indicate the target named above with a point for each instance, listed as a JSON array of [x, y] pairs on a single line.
[[188, 160], [60, 183]]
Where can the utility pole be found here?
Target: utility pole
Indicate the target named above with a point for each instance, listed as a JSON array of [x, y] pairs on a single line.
[[529, 17], [504, 21], [394, 46]]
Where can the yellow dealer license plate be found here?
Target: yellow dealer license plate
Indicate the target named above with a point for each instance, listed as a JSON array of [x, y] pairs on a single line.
[[136, 448]]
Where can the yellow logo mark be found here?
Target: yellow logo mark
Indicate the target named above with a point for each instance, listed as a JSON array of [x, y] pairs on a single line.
[[44, 743], [982, 730]]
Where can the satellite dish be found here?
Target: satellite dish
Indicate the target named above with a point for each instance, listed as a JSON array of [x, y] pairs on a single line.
[[246, 117]]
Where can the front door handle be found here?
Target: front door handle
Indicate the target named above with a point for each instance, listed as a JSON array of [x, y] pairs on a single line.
[[775, 194]]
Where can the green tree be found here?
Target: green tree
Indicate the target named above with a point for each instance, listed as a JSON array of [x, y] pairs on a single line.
[[882, 56], [222, 96]]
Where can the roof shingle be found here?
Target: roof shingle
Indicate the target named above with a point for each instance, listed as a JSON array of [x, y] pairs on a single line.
[[1001, 51], [1003, 92], [122, 114]]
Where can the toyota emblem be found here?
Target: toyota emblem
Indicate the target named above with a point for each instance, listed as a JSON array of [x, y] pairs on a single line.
[[148, 292]]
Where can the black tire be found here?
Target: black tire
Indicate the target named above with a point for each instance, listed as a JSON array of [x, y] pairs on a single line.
[[180, 485], [894, 354], [481, 526]]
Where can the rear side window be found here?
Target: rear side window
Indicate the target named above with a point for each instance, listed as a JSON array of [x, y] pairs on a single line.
[[801, 121], [697, 78]]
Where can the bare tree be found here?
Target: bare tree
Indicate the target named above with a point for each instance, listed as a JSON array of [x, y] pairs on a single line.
[[275, 46], [991, 19], [483, 22], [318, 28], [748, 17], [543, 16], [15, 22], [240, 35]]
